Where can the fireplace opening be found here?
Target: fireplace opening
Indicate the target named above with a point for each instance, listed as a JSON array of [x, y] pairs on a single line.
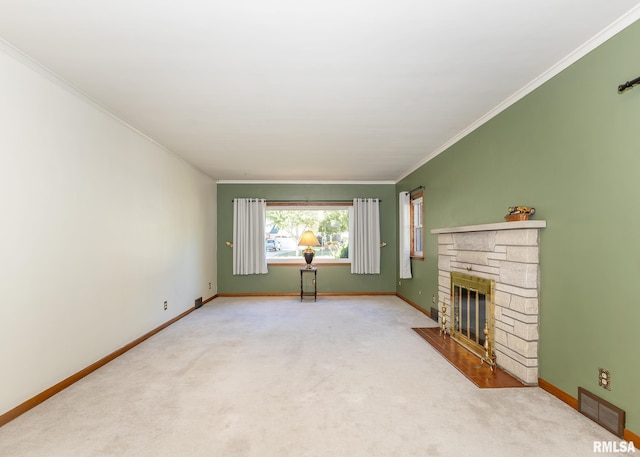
[[473, 322]]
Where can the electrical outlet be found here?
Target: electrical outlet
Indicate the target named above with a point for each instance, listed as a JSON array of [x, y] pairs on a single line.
[[209, 286], [604, 378], [433, 299], [399, 283], [165, 306]]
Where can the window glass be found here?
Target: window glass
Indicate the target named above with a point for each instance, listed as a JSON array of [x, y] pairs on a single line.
[[285, 226], [417, 221]]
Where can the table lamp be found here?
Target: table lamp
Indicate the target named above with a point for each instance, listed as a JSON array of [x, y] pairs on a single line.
[[308, 239]]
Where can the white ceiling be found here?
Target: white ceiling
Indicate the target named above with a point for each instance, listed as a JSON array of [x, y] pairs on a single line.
[[348, 90]]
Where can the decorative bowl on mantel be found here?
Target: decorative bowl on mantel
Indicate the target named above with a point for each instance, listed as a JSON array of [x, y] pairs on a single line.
[[519, 213]]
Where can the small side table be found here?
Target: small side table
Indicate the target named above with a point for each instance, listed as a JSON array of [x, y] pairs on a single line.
[[304, 293]]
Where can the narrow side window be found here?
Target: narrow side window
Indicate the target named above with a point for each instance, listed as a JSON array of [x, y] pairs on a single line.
[[417, 221]]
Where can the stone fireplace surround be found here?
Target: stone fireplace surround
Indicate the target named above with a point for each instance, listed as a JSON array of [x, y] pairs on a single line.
[[508, 253]]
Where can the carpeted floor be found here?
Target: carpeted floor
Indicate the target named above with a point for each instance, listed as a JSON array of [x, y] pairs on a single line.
[[343, 376]]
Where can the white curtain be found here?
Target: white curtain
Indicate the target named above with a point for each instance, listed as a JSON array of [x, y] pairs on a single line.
[[249, 255], [364, 237], [404, 217]]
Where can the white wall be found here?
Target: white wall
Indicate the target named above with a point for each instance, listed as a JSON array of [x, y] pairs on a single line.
[[98, 227]]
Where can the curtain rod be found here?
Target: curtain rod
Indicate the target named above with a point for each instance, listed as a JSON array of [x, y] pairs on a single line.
[[317, 202], [628, 84], [416, 189]]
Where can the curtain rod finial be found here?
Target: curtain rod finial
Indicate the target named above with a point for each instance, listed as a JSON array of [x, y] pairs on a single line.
[[628, 84]]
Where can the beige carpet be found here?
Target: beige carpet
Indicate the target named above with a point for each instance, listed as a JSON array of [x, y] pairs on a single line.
[[345, 376]]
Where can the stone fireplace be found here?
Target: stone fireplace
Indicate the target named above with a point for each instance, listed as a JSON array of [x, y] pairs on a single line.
[[506, 253]]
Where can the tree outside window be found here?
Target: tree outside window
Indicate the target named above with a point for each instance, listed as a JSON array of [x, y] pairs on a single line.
[[285, 226]]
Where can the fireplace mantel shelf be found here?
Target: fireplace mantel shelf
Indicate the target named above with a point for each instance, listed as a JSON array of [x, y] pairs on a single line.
[[496, 226]]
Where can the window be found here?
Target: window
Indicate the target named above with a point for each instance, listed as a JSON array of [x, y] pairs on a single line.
[[285, 225], [417, 220]]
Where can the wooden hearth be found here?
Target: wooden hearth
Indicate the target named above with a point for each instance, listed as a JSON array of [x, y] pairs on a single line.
[[466, 362]]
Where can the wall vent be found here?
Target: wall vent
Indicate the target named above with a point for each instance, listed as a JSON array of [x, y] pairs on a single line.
[[198, 302], [434, 314], [601, 411]]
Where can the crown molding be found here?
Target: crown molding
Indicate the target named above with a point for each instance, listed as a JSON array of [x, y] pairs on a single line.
[[275, 181], [616, 27], [29, 62], [51, 76]]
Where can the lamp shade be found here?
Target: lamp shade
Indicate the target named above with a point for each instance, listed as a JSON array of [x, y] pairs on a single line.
[[308, 239]]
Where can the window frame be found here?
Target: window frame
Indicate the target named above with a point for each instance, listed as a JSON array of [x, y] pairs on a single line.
[[416, 200], [302, 206]]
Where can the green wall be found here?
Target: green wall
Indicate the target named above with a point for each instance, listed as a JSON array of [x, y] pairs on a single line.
[[571, 149], [286, 279]]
